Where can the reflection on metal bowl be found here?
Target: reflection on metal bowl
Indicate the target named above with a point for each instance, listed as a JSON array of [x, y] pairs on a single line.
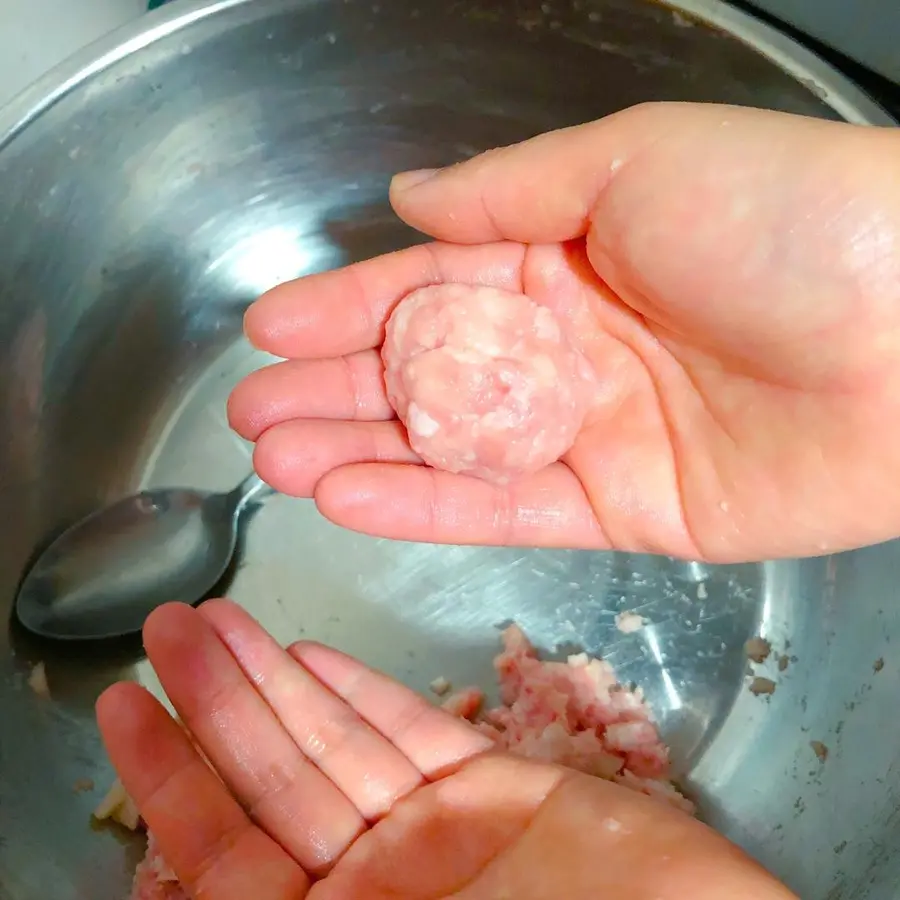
[[153, 187]]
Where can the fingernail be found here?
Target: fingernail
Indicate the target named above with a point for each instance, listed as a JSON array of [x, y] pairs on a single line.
[[403, 181]]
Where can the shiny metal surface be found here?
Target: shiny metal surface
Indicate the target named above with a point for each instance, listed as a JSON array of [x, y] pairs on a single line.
[[105, 574], [153, 187]]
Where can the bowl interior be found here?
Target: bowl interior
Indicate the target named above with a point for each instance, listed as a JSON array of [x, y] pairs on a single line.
[[142, 211]]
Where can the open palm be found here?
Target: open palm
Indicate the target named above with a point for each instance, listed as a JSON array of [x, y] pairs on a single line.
[[330, 781], [732, 274]]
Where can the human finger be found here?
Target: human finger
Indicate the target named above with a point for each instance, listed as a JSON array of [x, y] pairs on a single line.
[[343, 387], [435, 742], [368, 769], [417, 503], [541, 190], [544, 190], [343, 311], [293, 456], [214, 848], [255, 757]]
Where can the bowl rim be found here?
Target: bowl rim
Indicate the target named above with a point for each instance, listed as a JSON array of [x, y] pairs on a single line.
[[829, 84]]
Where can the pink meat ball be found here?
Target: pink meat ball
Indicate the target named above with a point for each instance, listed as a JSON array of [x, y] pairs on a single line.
[[485, 381]]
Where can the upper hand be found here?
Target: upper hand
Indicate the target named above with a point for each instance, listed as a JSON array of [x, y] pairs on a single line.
[[733, 275], [331, 781]]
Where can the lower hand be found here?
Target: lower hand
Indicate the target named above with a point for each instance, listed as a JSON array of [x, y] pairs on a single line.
[[332, 781]]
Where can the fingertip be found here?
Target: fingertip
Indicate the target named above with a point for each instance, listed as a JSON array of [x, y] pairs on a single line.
[[328, 666], [241, 409], [272, 460], [168, 619], [337, 670], [434, 741], [281, 319], [408, 190], [348, 496], [259, 315], [121, 714], [405, 181], [541, 190], [217, 603], [216, 608], [313, 655], [433, 206], [294, 457], [285, 464], [114, 699], [323, 315], [230, 621], [307, 645]]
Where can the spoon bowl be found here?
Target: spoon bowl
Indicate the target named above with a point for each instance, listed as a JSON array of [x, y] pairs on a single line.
[[105, 574]]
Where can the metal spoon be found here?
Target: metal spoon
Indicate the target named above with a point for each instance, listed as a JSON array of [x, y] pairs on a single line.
[[102, 577]]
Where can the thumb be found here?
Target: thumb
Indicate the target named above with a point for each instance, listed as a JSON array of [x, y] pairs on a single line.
[[538, 191], [545, 190]]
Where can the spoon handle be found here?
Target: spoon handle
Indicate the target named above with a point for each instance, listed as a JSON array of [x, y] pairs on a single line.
[[250, 490]]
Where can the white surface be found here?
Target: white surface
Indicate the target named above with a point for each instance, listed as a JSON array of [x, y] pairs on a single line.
[[35, 35]]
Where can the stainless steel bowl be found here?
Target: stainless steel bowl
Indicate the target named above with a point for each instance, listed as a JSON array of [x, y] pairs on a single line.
[[154, 186]]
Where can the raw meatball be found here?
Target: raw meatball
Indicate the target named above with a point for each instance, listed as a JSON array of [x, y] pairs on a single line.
[[485, 380]]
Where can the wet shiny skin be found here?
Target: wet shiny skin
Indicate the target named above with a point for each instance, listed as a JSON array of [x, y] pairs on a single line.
[[134, 233]]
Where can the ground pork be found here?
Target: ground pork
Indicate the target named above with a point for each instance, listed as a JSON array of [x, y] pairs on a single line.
[[153, 879], [574, 713]]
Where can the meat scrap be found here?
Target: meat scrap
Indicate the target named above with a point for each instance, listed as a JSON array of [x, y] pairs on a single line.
[[440, 686], [465, 704], [153, 879], [486, 381], [37, 681], [758, 649], [628, 622], [820, 749], [760, 687], [118, 806]]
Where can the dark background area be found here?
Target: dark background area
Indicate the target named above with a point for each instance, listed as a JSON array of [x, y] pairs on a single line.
[[884, 92]]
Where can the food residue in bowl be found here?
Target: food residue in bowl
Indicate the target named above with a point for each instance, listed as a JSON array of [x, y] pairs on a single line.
[[440, 687], [117, 806], [820, 749], [758, 650], [37, 681], [628, 622], [761, 686]]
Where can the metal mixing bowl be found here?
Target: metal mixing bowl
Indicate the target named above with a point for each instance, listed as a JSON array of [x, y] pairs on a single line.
[[154, 186]]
